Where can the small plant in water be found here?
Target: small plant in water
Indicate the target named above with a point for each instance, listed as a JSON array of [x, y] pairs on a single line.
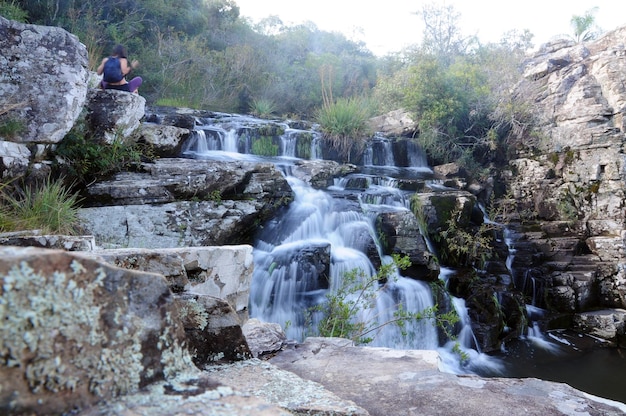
[[342, 308]]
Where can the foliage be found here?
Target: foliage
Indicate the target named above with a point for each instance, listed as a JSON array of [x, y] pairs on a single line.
[[343, 121], [12, 11], [584, 26], [462, 247], [263, 108], [359, 292], [11, 127], [264, 146], [49, 207], [85, 159]]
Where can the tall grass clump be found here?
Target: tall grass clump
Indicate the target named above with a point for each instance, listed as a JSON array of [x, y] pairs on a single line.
[[262, 107], [344, 124], [49, 207]]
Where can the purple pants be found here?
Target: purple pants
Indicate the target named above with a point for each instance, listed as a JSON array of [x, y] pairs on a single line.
[[131, 86]]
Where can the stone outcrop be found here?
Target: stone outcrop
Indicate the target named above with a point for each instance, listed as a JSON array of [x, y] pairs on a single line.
[[224, 272], [384, 381], [76, 331], [568, 179], [212, 329], [395, 123], [113, 114], [184, 202], [44, 78], [569, 176]]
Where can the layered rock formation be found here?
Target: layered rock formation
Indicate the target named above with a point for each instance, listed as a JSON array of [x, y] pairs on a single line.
[[568, 181]]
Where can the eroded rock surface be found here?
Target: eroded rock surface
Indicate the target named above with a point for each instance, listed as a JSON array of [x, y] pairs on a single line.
[[407, 382], [76, 331]]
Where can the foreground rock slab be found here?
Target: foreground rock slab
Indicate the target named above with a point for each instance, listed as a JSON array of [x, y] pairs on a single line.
[[408, 382], [282, 388], [76, 331]]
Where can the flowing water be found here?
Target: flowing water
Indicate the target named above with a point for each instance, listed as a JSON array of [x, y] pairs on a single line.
[[325, 234]]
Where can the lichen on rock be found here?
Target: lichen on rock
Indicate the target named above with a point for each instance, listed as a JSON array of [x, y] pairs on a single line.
[[75, 330]]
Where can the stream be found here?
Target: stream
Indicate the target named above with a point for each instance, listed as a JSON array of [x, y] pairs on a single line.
[[307, 253]]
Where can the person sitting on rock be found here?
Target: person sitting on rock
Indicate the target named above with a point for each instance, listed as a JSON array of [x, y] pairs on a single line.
[[114, 70]]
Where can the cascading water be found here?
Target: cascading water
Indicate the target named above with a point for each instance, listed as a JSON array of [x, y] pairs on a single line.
[[334, 227], [324, 235]]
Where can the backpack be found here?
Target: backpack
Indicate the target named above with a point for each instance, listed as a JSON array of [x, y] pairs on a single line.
[[112, 70]]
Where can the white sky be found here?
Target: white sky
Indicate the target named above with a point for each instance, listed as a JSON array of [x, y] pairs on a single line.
[[390, 25]]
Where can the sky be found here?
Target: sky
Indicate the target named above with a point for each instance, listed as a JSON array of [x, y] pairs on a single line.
[[390, 25]]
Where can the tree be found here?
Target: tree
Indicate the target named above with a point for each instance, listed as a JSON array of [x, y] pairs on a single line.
[[442, 36], [584, 26]]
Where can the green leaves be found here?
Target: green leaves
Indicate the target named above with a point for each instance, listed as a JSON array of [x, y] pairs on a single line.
[[344, 310]]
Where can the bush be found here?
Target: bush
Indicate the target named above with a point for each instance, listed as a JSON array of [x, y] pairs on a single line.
[[49, 207], [12, 11], [11, 127], [262, 108], [85, 160], [344, 124], [359, 292]]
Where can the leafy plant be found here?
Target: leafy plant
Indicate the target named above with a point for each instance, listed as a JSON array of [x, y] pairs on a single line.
[[12, 11], [85, 159], [11, 127], [50, 207], [344, 124], [342, 310], [264, 146], [263, 107], [465, 247]]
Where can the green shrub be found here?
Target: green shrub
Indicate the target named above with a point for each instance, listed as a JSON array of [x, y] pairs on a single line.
[[359, 292], [11, 127], [264, 146], [85, 159], [49, 207], [263, 108], [12, 11], [344, 124]]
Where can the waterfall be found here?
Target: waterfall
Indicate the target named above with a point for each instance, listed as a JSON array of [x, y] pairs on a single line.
[[286, 288], [324, 236]]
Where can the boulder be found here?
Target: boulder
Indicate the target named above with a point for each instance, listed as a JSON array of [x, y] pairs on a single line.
[[399, 233], [213, 330], [395, 123], [76, 331], [224, 272], [113, 114], [14, 159], [165, 141], [203, 214], [43, 78], [263, 338], [608, 324]]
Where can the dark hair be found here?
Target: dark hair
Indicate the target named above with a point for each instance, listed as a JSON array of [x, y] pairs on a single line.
[[119, 51]]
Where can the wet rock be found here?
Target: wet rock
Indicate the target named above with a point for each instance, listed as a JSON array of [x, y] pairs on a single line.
[[407, 382], [608, 324], [165, 141]]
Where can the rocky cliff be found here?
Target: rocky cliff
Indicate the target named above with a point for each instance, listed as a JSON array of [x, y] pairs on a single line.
[[567, 180]]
